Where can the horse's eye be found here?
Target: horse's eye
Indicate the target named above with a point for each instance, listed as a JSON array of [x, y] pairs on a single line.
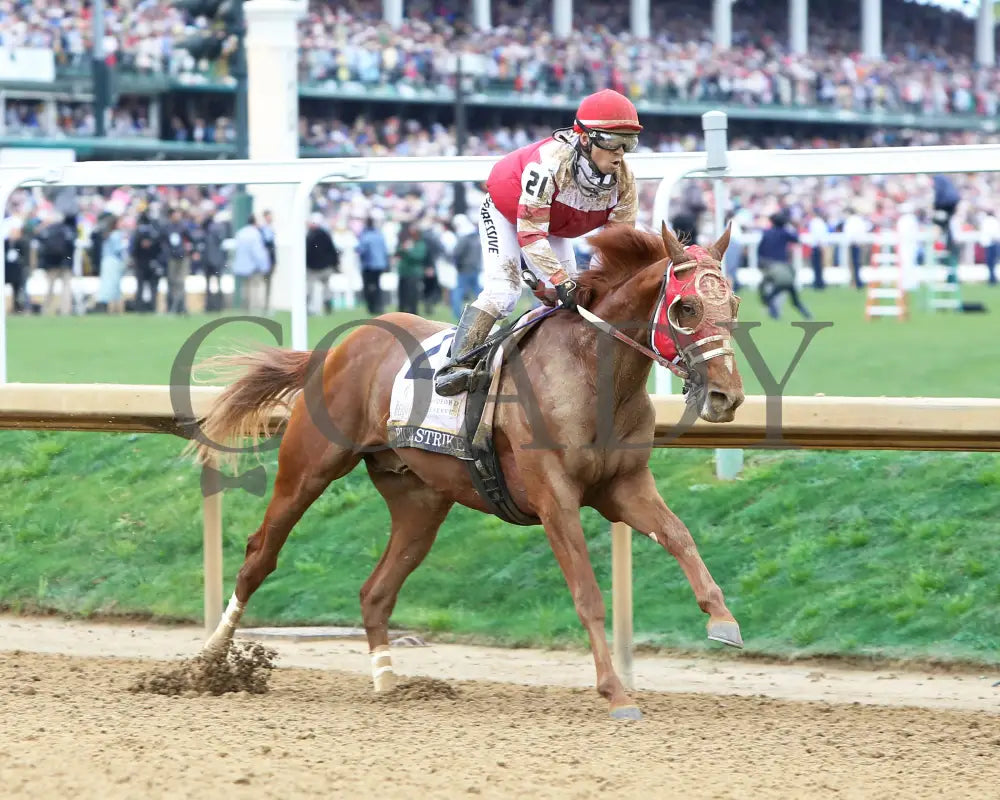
[[687, 309]]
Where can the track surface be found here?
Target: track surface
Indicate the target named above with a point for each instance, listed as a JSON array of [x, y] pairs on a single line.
[[712, 728]]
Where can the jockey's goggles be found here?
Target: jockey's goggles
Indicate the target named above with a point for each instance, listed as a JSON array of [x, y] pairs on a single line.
[[612, 141]]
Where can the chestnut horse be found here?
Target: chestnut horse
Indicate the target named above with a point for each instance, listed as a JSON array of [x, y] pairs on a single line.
[[560, 361]]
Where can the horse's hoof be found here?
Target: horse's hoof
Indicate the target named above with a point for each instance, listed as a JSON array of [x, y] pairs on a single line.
[[725, 631], [385, 682], [214, 651], [626, 712]]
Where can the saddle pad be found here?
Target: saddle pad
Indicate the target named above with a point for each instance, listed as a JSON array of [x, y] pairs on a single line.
[[437, 423], [421, 418]]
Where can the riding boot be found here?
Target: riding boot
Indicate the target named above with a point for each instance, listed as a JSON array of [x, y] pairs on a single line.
[[473, 328]]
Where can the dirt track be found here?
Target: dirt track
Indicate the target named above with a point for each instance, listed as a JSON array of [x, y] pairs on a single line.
[[713, 729]]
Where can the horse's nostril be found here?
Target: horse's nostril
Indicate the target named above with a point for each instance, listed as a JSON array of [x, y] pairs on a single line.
[[718, 400]]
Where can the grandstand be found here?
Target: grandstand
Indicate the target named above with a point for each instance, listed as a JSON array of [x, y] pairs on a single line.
[[379, 78]]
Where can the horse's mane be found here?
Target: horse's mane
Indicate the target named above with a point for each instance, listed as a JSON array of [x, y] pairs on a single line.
[[623, 251]]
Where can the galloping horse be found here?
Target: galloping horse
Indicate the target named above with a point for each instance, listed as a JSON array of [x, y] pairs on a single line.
[[638, 274]]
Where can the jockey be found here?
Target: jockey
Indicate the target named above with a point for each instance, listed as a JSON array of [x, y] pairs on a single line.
[[539, 198]]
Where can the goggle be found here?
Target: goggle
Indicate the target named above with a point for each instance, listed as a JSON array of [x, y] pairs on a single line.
[[612, 141]]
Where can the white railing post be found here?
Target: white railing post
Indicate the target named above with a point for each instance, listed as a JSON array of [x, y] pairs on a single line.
[[728, 462], [621, 601], [212, 555], [298, 275]]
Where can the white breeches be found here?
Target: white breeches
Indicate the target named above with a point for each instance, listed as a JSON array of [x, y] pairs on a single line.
[[502, 284]]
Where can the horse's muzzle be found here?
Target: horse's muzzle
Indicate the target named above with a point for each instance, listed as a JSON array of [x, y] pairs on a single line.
[[720, 406]]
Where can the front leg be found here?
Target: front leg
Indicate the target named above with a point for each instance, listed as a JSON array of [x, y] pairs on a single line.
[[634, 500], [561, 519]]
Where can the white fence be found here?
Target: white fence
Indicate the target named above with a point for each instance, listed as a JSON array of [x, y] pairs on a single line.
[[970, 269]]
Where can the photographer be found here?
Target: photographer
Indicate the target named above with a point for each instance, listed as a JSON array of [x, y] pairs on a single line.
[[147, 262]]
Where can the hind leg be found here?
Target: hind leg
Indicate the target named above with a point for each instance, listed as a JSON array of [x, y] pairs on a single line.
[[307, 464], [417, 512]]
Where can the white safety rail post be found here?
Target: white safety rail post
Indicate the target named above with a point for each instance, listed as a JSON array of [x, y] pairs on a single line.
[[212, 559], [621, 601], [728, 462]]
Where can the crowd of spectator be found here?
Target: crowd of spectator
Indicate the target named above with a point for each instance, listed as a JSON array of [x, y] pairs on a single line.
[[928, 65], [878, 198], [410, 218], [36, 118], [927, 69]]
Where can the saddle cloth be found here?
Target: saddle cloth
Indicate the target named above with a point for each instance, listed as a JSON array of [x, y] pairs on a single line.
[[421, 418]]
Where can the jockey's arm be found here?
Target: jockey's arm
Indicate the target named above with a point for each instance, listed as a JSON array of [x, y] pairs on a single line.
[[533, 210]]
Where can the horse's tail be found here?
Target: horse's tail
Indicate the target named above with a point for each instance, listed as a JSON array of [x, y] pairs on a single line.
[[272, 378]]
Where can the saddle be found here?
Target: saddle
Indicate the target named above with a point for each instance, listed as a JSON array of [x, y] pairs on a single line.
[[483, 387]]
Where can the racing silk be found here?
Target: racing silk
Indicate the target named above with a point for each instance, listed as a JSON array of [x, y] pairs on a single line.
[[534, 189]]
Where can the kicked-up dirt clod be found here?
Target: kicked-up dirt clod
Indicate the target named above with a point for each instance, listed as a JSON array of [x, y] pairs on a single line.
[[244, 667]]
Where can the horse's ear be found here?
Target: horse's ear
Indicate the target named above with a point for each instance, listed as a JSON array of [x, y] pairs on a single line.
[[674, 248], [718, 250]]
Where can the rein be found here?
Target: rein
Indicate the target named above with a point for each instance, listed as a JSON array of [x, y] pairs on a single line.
[[687, 356], [678, 370]]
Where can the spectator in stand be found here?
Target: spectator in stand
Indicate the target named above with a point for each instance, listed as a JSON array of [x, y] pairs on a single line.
[[114, 254], [16, 255], [57, 244], [147, 258], [855, 229], [267, 232], [908, 230], [217, 231], [177, 246], [818, 233], [989, 237], [946, 200]]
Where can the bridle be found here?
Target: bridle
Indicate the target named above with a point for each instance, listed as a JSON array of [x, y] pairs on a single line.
[[689, 354]]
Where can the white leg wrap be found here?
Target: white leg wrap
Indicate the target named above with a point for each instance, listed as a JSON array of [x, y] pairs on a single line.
[[223, 633], [382, 675]]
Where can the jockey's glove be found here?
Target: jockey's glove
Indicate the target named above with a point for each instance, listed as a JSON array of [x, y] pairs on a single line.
[[566, 292]]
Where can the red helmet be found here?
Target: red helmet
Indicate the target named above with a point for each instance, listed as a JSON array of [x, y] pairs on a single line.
[[607, 110]]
